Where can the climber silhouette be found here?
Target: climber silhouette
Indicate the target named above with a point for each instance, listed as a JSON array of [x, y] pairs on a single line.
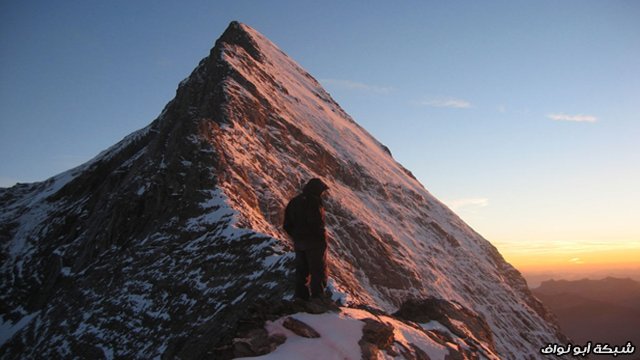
[[304, 222]]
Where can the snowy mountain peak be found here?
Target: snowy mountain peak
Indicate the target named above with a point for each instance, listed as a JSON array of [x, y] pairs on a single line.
[[238, 34], [158, 245]]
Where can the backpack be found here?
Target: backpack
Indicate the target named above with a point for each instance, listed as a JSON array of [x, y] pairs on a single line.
[[295, 216]]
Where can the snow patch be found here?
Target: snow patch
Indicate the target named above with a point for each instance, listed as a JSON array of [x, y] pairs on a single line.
[[8, 329], [405, 334], [337, 294], [339, 336]]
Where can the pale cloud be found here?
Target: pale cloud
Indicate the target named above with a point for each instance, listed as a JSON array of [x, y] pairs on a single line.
[[354, 85], [574, 118], [576, 260], [446, 103], [460, 204]]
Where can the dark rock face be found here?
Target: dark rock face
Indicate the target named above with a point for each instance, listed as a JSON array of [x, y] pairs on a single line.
[[369, 351], [420, 354], [257, 342], [249, 337], [124, 244], [451, 315], [300, 328], [377, 333], [376, 337], [162, 244]]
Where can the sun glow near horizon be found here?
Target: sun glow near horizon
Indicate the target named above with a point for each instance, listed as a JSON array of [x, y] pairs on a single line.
[[583, 232], [587, 256]]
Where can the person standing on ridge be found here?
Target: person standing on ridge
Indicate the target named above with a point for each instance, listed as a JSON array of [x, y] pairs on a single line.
[[304, 222]]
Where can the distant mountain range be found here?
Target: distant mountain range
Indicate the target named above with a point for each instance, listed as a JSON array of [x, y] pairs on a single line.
[[535, 278], [606, 310]]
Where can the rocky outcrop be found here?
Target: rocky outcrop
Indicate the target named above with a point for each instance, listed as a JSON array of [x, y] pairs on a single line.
[[461, 321], [300, 328], [377, 333], [257, 342], [376, 337]]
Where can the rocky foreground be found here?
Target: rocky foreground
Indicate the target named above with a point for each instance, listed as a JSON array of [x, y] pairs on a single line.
[[421, 329]]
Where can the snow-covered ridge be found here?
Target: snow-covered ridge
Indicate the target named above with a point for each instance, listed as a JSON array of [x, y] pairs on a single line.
[[284, 120], [174, 231]]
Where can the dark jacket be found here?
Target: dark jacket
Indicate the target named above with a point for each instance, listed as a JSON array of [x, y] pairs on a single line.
[[304, 217]]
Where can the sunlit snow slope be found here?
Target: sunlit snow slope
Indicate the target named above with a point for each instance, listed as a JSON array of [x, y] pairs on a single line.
[[158, 244], [390, 238]]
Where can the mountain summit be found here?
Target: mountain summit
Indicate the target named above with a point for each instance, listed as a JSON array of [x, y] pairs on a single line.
[[158, 245]]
